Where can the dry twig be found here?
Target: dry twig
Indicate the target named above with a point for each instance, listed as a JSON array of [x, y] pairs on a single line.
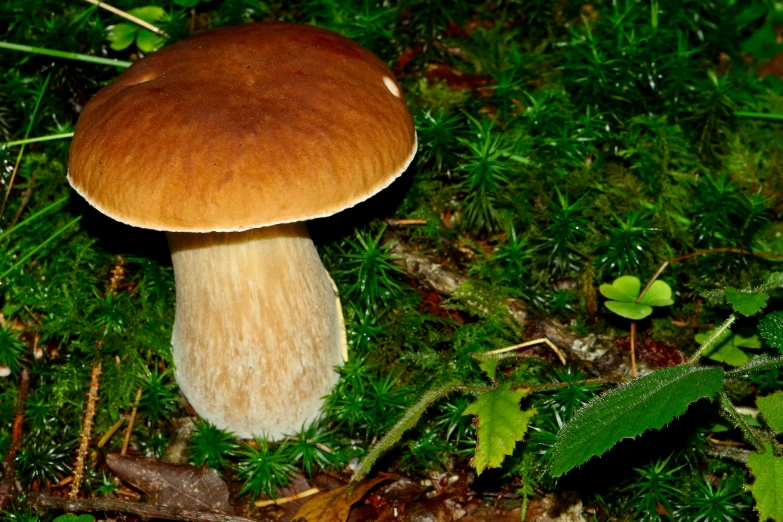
[[135, 19], [144, 511], [84, 436]]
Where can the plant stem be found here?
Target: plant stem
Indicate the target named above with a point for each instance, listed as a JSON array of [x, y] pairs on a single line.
[[64, 54], [757, 365], [712, 339], [408, 420], [21, 151], [33, 217], [724, 250], [731, 414], [39, 139], [8, 488], [39, 247], [84, 436], [130, 422], [758, 115], [633, 350]]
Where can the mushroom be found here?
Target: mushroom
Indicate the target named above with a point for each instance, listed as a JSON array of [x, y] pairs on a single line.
[[228, 141]]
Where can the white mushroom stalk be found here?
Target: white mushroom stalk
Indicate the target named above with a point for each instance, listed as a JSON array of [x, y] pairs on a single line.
[[258, 331]]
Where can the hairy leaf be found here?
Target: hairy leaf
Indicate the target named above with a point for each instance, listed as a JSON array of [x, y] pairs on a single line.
[[629, 410], [500, 425], [771, 328], [771, 407], [746, 302], [767, 489]]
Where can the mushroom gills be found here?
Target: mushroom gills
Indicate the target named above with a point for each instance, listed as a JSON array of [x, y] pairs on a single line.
[[258, 332]]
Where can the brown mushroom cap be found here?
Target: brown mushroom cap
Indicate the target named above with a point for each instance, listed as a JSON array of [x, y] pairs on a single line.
[[242, 127]]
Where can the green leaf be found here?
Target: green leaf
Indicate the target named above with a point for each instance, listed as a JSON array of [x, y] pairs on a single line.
[[500, 424], [70, 517], [121, 36], [767, 489], [629, 410], [771, 408], [150, 13], [633, 311], [187, 3], [746, 302], [625, 288], [727, 348], [148, 41], [659, 294], [771, 328], [489, 366]]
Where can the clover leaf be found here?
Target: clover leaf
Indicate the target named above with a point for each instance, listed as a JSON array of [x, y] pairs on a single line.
[[122, 35], [623, 297]]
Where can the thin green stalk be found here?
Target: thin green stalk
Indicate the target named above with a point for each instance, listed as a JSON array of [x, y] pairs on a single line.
[[39, 139], [408, 420], [39, 247], [730, 413], [709, 343], [33, 217], [64, 54], [758, 115], [757, 365], [26, 135]]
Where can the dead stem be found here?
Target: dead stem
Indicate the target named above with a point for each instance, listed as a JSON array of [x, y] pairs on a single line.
[[8, 486], [143, 511], [84, 436], [130, 422]]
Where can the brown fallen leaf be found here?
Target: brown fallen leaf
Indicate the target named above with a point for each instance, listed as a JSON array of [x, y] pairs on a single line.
[[335, 505], [457, 79], [173, 485]]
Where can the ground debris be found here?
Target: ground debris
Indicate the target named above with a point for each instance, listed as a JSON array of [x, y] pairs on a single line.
[[173, 485]]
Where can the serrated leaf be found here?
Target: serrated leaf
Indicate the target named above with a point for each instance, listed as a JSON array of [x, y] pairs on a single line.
[[771, 408], [625, 288], [629, 410], [633, 311], [771, 328], [500, 424], [746, 302], [659, 294], [767, 488]]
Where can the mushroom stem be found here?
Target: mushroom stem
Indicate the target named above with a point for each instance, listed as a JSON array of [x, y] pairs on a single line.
[[257, 332]]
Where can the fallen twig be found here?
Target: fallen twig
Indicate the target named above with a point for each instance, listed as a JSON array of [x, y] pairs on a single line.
[[285, 500], [145, 511], [446, 282], [130, 422], [8, 486], [84, 436]]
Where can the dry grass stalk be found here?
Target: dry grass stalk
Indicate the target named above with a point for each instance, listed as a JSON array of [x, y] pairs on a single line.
[[84, 436]]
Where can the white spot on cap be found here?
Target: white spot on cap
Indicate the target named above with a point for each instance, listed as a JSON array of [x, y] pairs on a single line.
[[392, 86]]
